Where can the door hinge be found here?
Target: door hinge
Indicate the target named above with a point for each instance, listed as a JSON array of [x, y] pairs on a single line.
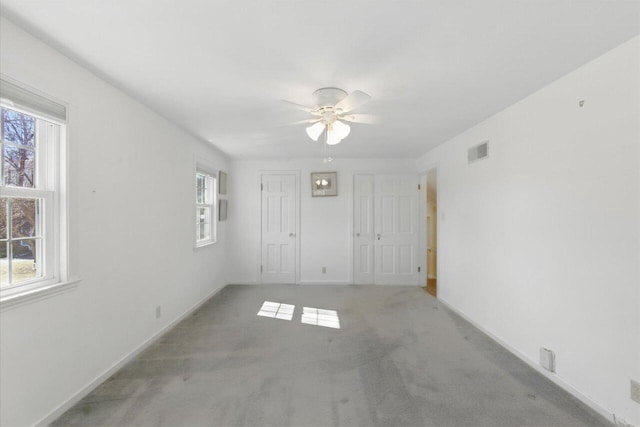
[[261, 187], [418, 269], [260, 269], [418, 186]]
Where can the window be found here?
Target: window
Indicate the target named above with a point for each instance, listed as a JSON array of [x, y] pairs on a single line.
[[205, 208], [30, 203]]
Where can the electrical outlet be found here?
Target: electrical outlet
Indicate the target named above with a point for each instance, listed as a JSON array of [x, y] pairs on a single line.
[[158, 312], [324, 270], [547, 359], [635, 391]]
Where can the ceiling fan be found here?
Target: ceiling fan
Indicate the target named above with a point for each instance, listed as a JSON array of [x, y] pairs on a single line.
[[333, 107]]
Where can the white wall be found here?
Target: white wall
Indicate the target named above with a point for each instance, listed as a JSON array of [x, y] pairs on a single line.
[[539, 243], [131, 230], [326, 222]]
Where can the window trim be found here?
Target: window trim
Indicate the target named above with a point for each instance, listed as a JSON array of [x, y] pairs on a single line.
[[56, 278], [201, 167]]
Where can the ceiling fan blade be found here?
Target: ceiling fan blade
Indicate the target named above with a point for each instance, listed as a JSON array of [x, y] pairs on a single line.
[[305, 121], [298, 106], [353, 101], [368, 119]]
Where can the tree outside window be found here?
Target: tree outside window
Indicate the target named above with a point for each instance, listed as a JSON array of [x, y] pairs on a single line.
[[20, 223]]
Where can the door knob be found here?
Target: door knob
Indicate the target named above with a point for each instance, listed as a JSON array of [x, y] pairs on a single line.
[[292, 234], [357, 234], [378, 236]]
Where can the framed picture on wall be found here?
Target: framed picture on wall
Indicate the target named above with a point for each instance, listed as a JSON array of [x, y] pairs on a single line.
[[222, 183], [222, 210], [324, 184]]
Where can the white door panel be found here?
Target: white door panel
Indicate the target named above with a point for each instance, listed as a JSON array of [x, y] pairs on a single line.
[[386, 229], [363, 235], [396, 224], [279, 227]]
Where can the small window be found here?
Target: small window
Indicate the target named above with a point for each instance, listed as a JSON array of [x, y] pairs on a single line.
[[205, 226]]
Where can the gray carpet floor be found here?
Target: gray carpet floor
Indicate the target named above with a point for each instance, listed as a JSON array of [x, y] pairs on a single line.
[[400, 358]]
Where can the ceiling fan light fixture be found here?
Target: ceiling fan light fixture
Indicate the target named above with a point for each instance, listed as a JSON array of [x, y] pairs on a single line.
[[332, 137], [314, 131], [341, 129]]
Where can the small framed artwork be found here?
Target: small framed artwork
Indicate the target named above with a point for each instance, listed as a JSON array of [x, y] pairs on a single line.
[[222, 210], [324, 184], [222, 183]]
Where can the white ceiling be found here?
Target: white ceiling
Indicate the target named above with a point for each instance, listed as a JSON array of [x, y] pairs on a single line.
[[433, 68]]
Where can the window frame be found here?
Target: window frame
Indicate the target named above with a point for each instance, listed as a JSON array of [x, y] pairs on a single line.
[[212, 175], [50, 186]]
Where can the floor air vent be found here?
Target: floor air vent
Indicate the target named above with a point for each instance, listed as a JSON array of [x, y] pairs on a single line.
[[479, 152]]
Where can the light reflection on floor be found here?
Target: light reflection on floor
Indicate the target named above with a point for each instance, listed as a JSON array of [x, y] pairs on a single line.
[[277, 310], [320, 317], [310, 315]]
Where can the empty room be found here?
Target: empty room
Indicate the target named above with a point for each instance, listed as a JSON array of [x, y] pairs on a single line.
[[295, 213]]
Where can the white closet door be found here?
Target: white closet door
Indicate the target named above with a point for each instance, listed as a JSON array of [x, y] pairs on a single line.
[[279, 227], [363, 230], [396, 229]]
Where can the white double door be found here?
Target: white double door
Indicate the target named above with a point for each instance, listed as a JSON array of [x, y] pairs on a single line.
[[386, 229], [279, 228]]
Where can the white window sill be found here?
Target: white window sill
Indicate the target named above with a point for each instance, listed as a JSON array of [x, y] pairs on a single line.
[[17, 297], [204, 245]]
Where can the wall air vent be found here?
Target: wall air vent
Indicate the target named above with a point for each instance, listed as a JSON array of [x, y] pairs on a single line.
[[478, 152]]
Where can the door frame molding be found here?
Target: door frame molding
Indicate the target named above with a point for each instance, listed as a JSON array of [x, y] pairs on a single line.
[[296, 174], [424, 275], [422, 228]]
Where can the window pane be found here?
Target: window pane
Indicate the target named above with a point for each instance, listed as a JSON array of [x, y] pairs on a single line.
[[205, 215], [200, 196], [203, 221], [25, 218], [198, 224], [3, 218], [4, 264], [18, 128], [201, 188], [205, 233], [19, 166], [23, 260]]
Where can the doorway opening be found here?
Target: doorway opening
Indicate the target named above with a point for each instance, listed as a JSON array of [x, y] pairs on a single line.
[[432, 232]]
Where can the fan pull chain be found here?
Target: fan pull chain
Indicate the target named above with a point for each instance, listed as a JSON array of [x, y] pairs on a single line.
[[327, 158]]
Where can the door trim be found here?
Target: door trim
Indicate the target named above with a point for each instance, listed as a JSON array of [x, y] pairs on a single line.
[[422, 228], [296, 175], [423, 243]]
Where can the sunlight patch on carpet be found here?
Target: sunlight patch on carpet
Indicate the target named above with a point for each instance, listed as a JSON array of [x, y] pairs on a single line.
[[320, 317], [276, 310]]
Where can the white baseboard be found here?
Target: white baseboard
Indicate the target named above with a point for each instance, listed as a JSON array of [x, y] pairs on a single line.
[[551, 376], [84, 391], [323, 282]]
